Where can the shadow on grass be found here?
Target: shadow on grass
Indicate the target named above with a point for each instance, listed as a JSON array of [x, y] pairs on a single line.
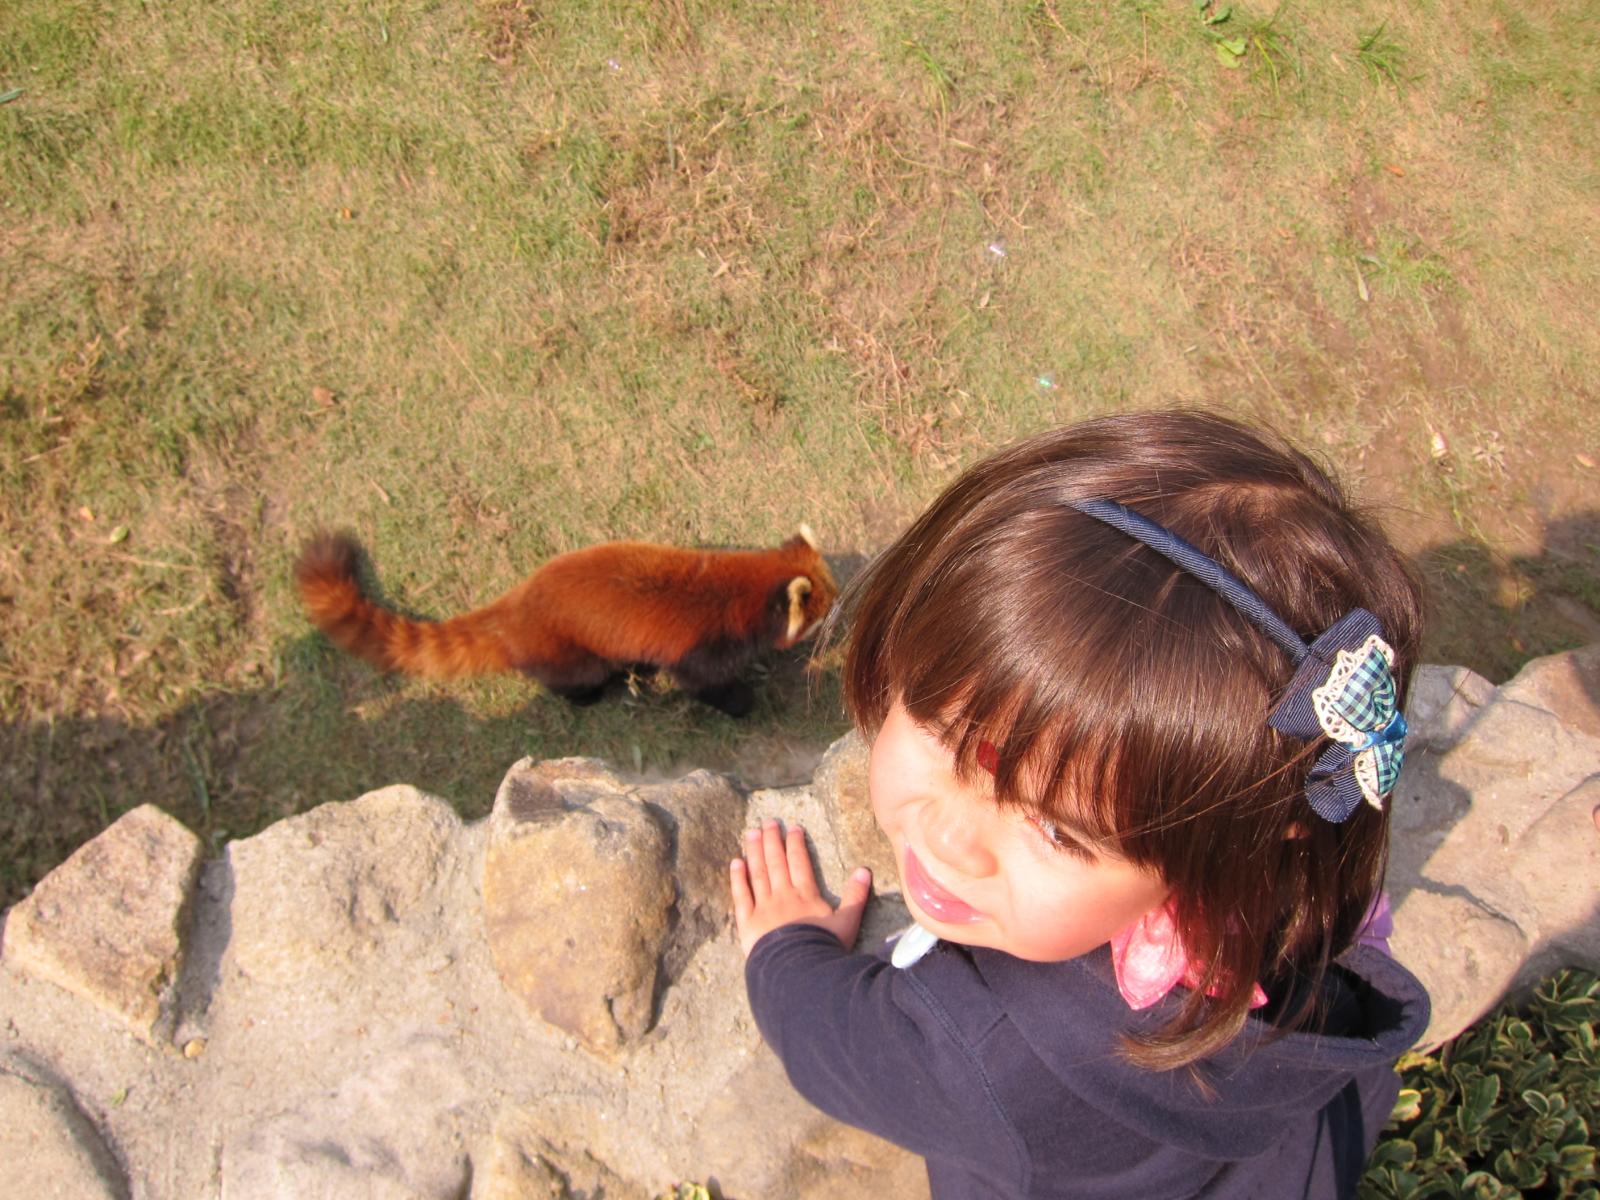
[[1495, 613], [227, 764]]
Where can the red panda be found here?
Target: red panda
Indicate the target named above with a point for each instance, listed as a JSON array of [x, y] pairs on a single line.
[[584, 616]]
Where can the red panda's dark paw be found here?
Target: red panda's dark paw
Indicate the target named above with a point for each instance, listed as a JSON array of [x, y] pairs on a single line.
[[734, 697]]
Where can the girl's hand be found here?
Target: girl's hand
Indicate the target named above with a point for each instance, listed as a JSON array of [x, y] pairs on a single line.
[[774, 885]]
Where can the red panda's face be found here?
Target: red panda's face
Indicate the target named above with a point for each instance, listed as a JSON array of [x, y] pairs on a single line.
[[811, 592]]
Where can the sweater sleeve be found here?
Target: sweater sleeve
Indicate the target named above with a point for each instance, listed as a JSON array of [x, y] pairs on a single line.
[[870, 1045]]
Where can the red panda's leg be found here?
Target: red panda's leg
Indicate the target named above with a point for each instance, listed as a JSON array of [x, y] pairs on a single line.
[[579, 678], [736, 698], [707, 673]]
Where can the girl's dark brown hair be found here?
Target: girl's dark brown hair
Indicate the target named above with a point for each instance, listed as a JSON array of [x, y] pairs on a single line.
[[1129, 700]]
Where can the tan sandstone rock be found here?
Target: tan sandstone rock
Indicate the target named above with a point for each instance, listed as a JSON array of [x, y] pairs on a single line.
[[315, 894], [522, 1164], [1560, 858], [1464, 955], [577, 896], [841, 786], [1567, 684], [107, 924], [49, 1150], [1442, 704]]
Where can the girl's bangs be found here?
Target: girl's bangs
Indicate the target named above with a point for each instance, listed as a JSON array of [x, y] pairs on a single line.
[[975, 674]]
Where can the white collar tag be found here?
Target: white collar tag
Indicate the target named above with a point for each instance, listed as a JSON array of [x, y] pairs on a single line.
[[911, 944]]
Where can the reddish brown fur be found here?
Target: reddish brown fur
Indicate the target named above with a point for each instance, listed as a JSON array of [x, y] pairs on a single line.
[[581, 617]]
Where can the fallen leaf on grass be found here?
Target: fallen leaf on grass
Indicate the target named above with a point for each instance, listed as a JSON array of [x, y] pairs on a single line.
[[1584, 461]]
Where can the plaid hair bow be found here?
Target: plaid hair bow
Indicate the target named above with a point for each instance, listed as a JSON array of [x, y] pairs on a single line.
[[1343, 686]]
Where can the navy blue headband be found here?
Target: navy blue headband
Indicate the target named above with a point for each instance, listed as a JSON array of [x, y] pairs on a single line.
[[1343, 686]]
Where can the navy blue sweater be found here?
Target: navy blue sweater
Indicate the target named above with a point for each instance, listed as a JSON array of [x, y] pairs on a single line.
[[1005, 1075]]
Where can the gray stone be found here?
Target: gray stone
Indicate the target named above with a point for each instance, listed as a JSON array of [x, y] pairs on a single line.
[[703, 814], [841, 789], [316, 894], [107, 924], [522, 1164], [511, 1172], [1566, 684], [49, 1149], [392, 1131], [1558, 862], [1464, 955], [577, 900], [1442, 703]]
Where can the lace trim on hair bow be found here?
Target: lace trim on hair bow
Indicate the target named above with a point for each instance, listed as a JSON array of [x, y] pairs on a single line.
[[1344, 688]]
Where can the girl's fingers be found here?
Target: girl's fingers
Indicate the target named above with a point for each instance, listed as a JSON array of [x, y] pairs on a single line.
[[846, 923], [856, 889], [739, 887], [772, 850], [755, 858], [800, 872]]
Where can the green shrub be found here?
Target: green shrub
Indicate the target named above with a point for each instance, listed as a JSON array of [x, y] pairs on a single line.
[[1503, 1111]]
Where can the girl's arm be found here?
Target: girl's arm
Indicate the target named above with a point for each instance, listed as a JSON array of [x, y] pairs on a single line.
[[864, 1042]]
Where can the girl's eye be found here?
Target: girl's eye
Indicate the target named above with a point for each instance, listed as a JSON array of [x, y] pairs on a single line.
[[1058, 840]]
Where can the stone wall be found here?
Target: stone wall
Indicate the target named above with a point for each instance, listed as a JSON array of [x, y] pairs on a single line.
[[375, 999]]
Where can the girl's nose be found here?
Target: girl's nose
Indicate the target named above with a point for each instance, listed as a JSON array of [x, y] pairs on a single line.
[[958, 838]]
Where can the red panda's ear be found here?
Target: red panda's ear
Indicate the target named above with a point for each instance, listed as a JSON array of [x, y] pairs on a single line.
[[805, 535], [799, 588]]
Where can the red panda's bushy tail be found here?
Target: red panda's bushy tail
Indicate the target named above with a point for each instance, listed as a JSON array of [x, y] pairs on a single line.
[[325, 575]]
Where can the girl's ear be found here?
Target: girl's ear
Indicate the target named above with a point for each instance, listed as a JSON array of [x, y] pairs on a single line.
[[1296, 831]]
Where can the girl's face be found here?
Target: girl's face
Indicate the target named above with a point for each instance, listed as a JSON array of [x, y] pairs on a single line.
[[982, 875]]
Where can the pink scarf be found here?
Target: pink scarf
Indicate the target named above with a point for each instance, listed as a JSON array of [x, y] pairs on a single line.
[[1150, 960]]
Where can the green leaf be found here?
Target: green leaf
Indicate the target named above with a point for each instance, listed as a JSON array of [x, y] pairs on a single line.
[[1477, 1101], [1396, 1152], [13, 94], [1407, 1106], [1228, 58], [1480, 1185], [1576, 1162]]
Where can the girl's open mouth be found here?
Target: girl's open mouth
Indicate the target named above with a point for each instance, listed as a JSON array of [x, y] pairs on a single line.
[[934, 900]]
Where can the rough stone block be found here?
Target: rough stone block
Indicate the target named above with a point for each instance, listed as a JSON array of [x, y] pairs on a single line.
[[315, 894], [1558, 860], [577, 902], [1565, 684], [1442, 703], [1464, 955], [108, 924], [49, 1150], [841, 788]]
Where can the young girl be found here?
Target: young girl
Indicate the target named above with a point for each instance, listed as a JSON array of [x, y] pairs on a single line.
[[1133, 693]]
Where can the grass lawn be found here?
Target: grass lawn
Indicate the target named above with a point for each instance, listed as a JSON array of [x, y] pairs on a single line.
[[489, 281]]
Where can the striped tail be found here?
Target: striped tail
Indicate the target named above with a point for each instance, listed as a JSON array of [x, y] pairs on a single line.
[[325, 574]]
